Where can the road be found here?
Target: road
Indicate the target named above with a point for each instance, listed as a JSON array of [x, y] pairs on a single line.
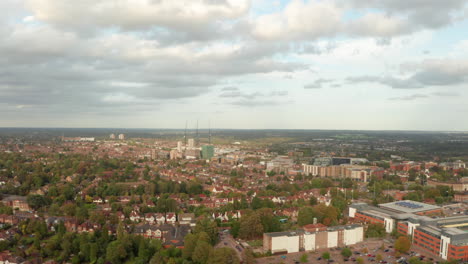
[[226, 240]]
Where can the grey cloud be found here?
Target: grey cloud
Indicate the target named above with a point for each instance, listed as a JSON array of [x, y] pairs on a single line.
[[185, 15], [397, 17], [422, 96], [445, 94], [230, 88], [259, 103], [409, 97], [253, 99], [279, 93], [442, 72], [317, 84]]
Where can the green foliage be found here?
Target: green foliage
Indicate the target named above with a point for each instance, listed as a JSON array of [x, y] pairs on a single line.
[[223, 256], [346, 252], [251, 226], [208, 227], [402, 244], [375, 230], [326, 255], [306, 216], [36, 201], [304, 258]]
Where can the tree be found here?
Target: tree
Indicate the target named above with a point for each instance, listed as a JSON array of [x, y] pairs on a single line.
[[250, 226], [190, 242], [269, 222], [402, 244], [305, 216], [36, 201], [378, 257], [224, 256], [304, 258], [346, 252], [202, 252], [375, 230], [313, 200], [360, 260], [210, 228], [249, 257], [326, 255]]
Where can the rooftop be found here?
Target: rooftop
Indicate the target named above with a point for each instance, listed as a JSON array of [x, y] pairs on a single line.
[[408, 206]]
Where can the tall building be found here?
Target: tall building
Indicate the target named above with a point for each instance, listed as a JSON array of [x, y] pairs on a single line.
[[121, 136], [207, 151], [191, 143], [112, 136], [179, 146]]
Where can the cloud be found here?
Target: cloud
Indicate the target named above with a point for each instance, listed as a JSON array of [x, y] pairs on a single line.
[[181, 15], [230, 89], [299, 20], [252, 99], [445, 94], [398, 17], [317, 84], [422, 96], [409, 97], [259, 103], [428, 73]]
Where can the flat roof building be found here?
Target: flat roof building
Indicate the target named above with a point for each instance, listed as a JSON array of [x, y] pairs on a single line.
[[446, 237]]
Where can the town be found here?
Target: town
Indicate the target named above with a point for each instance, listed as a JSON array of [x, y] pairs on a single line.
[[199, 198]]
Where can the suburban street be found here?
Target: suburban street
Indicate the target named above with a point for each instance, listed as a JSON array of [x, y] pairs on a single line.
[[226, 240]]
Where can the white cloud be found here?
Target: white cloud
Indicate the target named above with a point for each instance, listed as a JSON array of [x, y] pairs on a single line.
[[299, 21]]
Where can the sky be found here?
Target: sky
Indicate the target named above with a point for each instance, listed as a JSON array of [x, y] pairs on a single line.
[[243, 64]]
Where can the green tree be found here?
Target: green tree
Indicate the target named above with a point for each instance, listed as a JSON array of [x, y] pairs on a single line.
[[249, 257], [304, 258], [305, 216], [402, 244], [375, 230], [36, 201], [202, 252], [251, 226], [224, 256], [190, 242], [209, 227], [346, 252], [326, 255]]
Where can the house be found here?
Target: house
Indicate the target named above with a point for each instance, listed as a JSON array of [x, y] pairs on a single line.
[[7, 258], [151, 231], [171, 218], [186, 218], [150, 219], [160, 218], [134, 216], [97, 200], [120, 215], [220, 216], [88, 227]]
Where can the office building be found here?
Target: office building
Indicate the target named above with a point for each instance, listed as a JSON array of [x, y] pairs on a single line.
[[191, 143], [207, 151], [446, 237]]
